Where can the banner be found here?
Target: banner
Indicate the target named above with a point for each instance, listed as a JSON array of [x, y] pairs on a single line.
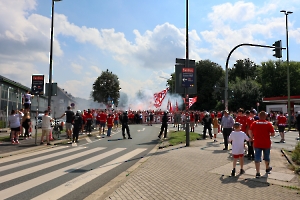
[[159, 97]]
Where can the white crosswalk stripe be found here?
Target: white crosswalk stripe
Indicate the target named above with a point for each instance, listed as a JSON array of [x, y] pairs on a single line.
[[70, 186], [11, 166], [47, 165], [73, 182]]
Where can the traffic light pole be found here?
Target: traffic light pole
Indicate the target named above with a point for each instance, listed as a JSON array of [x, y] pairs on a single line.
[[227, 61], [187, 133]]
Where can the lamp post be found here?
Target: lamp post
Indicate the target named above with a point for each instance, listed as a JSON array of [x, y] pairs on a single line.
[[7, 103], [288, 65], [51, 52]]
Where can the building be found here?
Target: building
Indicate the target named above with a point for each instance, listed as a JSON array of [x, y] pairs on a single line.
[[61, 102], [11, 99]]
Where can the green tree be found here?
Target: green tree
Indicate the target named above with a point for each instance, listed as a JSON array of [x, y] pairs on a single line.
[[106, 86], [243, 93], [209, 74], [242, 69]]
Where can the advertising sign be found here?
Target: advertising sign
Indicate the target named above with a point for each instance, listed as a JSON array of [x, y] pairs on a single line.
[[37, 84], [187, 77]]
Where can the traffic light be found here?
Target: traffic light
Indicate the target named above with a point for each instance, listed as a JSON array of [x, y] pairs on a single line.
[[278, 49]]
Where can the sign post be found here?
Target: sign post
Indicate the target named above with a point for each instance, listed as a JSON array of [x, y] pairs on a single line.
[[37, 84]]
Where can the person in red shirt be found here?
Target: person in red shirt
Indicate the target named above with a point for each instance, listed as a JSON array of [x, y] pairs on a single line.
[[192, 121], [250, 119], [116, 120], [110, 124], [102, 119], [281, 122], [83, 120], [260, 132], [98, 119], [242, 119], [89, 121]]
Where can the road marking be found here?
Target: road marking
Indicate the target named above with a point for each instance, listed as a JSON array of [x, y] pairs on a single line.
[[30, 161], [25, 155], [9, 192], [88, 139], [30, 170], [77, 182]]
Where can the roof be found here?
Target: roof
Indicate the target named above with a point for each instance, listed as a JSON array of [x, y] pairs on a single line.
[[14, 83], [282, 99]]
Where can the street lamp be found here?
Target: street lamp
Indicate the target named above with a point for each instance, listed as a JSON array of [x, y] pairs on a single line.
[[51, 52], [7, 103], [288, 65]]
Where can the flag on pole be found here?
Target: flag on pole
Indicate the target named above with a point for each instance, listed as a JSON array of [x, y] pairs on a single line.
[[176, 106], [159, 97], [192, 101]]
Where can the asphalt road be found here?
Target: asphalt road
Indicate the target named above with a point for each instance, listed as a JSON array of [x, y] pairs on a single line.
[[74, 171]]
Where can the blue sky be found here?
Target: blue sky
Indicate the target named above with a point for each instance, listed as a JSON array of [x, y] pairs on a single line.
[[138, 40]]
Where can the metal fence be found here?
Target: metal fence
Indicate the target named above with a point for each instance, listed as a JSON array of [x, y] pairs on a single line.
[[3, 119]]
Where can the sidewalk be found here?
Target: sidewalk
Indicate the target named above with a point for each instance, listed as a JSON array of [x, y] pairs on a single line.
[[202, 171]]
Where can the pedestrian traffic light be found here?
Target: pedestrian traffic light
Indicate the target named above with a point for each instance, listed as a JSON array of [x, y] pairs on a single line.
[[277, 49]]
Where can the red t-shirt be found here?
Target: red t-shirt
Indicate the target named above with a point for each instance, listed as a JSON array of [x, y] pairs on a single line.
[[250, 120], [219, 115], [243, 120], [103, 117], [88, 116], [110, 122], [98, 117], [116, 117], [261, 130], [281, 120], [192, 117]]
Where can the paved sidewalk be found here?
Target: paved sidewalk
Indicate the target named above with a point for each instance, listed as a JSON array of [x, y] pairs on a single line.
[[202, 171]]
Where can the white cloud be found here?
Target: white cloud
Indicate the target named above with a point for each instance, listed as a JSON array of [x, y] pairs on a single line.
[[77, 69]]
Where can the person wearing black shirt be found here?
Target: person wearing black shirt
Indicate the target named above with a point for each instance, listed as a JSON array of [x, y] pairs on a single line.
[[164, 125], [77, 123], [125, 126], [69, 119], [207, 121]]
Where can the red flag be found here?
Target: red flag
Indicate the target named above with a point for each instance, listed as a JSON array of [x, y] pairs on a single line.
[[176, 106], [171, 109], [192, 101], [159, 97]]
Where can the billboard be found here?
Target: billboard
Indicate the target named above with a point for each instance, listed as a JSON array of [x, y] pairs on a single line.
[[37, 84]]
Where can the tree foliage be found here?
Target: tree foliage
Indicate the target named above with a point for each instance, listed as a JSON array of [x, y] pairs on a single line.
[[106, 86]]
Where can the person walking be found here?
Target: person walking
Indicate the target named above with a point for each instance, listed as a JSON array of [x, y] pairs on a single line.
[[89, 121], [238, 137], [215, 127], [260, 132], [69, 118], [125, 126], [164, 126], [77, 124], [226, 125], [26, 122], [281, 122], [207, 122], [250, 114], [46, 127], [14, 124], [110, 124]]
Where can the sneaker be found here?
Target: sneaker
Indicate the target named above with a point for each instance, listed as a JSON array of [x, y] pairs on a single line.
[[17, 142], [48, 144], [242, 171], [215, 140], [124, 137], [130, 138], [257, 175], [298, 138], [42, 143], [225, 149], [13, 142], [233, 172], [268, 171]]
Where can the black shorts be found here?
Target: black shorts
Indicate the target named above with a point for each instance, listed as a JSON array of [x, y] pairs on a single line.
[[26, 105], [281, 129], [15, 129]]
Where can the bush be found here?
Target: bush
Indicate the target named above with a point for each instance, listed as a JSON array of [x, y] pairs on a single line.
[[296, 154]]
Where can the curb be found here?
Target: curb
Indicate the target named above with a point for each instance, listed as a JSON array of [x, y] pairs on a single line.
[[288, 159]]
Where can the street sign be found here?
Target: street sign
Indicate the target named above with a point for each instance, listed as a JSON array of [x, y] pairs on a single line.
[[53, 91], [187, 77], [179, 89], [37, 84]]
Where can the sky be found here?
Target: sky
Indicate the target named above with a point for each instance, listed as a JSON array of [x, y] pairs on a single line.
[[138, 40]]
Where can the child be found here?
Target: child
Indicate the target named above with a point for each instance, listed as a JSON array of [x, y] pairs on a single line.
[[238, 137], [215, 127]]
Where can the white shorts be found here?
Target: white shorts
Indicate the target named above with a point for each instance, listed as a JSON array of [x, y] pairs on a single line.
[[215, 130]]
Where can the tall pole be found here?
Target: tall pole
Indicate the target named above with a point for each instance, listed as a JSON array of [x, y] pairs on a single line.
[[187, 133], [51, 52], [7, 106], [288, 66]]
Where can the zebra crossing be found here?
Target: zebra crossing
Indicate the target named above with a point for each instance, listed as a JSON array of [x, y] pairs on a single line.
[[57, 172]]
